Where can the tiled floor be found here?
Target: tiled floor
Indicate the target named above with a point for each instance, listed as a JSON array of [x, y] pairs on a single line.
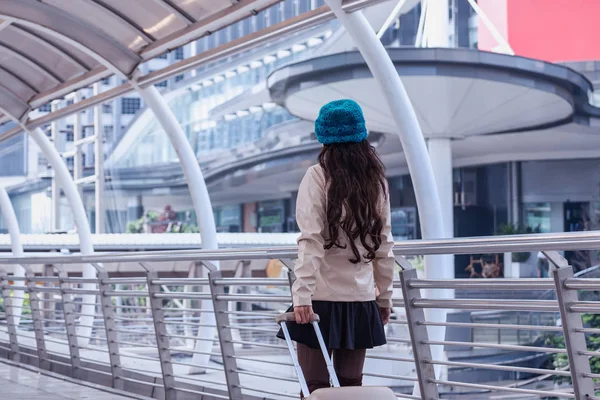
[[18, 383]]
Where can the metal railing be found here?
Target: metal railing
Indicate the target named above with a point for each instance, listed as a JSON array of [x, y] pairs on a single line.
[[147, 327]]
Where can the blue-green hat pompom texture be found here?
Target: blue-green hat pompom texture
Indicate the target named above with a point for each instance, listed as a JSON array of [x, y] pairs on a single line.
[[341, 121]]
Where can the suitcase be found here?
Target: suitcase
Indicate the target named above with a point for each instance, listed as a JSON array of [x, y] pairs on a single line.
[[336, 392]]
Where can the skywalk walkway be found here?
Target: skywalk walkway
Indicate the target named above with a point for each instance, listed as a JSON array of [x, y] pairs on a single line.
[[27, 383]]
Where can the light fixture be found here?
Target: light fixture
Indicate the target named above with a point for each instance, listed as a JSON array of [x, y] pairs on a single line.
[[283, 53], [312, 42], [269, 59], [269, 106], [242, 113], [207, 83], [243, 68], [298, 48], [255, 109], [256, 64], [229, 117], [230, 74], [219, 78]]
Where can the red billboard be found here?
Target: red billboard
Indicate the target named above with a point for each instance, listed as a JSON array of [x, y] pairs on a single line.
[[549, 30]]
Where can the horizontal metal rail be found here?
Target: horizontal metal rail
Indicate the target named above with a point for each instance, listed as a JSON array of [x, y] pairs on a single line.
[[482, 245], [496, 305], [501, 367], [178, 330], [505, 389]]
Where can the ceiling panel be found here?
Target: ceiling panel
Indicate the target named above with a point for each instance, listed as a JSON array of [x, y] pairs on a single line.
[[200, 9], [102, 19], [42, 52], [153, 18]]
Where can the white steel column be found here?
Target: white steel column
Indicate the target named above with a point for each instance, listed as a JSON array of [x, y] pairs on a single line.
[[413, 143], [437, 32], [99, 164], [437, 23], [10, 219], [77, 153], [200, 199], [65, 181], [55, 134], [440, 153]]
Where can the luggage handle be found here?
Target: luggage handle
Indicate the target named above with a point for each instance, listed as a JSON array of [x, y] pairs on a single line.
[[282, 320]]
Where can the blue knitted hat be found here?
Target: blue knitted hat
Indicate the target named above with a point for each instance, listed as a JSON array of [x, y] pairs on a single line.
[[341, 121]]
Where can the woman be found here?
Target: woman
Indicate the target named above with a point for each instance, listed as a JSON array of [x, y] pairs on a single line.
[[345, 265]]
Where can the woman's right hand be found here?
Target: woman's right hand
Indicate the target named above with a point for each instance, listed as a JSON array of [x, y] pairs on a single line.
[[385, 312], [304, 314]]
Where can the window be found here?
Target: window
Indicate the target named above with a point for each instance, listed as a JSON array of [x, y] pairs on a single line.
[[106, 81], [70, 136], [179, 77], [70, 101], [108, 129], [107, 108], [88, 130], [130, 105], [179, 54], [162, 57], [161, 84], [45, 108], [537, 216]]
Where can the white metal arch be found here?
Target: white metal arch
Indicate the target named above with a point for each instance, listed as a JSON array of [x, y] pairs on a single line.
[[414, 146], [10, 220], [166, 118], [84, 232], [185, 153], [200, 199]]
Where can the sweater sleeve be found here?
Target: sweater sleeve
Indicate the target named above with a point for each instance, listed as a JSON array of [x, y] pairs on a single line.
[[384, 262], [310, 216]]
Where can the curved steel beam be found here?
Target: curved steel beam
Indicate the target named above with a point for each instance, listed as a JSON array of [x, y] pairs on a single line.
[[415, 151], [13, 104], [123, 18], [62, 53], [10, 220], [58, 23], [19, 79], [176, 10], [32, 63], [200, 199], [65, 181]]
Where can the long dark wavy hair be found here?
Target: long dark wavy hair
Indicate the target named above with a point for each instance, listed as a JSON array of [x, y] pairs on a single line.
[[356, 182]]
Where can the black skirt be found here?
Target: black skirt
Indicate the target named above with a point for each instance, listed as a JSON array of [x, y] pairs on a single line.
[[345, 325]]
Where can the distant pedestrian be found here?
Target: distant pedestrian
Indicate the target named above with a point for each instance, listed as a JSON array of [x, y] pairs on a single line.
[[542, 265]]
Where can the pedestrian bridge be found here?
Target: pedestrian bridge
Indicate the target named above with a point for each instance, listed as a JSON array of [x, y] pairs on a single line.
[[211, 336]]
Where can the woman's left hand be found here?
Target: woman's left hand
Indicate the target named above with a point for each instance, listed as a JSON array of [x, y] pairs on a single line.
[[304, 314], [385, 312]]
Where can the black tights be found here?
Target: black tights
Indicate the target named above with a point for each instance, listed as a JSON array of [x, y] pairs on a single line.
[[348, 366]]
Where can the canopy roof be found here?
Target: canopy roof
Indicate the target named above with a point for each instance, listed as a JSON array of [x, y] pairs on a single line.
[[48, 48]]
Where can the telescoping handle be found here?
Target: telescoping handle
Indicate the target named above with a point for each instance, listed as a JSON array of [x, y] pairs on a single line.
[[282, 320]]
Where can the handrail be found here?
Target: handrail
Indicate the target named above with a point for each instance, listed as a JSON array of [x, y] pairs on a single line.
[[155, 300], [589, 240]]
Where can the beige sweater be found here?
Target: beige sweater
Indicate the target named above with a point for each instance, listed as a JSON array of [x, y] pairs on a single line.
[[327, 274]]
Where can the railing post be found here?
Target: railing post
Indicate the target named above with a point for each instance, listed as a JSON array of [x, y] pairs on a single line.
[[10, 321], [227, 349], [70, 323], [418, 333], [579, 363], [38, 325], [162, 340], [112, 344]]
